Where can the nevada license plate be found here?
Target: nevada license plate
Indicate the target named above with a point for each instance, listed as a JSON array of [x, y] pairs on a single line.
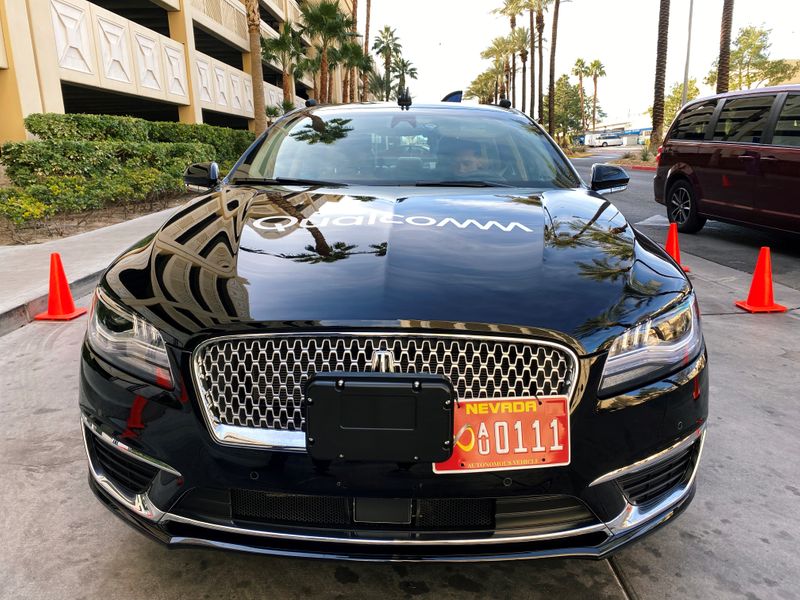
[[509, 433]]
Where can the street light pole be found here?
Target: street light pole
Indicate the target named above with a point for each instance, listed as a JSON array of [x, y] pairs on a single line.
[[688, 52]]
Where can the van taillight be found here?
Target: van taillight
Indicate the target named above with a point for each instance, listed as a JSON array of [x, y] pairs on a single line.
[[658, 155]]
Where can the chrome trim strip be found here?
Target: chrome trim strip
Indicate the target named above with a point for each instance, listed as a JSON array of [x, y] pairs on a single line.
[[633, 516], [115, 443], [295, 441], [139, 504], [654, 458], [383, 541]]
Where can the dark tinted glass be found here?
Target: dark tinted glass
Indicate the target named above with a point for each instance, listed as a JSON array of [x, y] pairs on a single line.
[[420, 146], [692, 123], [787, 131], [743, 119]]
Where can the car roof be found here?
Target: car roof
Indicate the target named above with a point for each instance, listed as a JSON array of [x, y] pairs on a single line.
[[777, 89], [483, 110]]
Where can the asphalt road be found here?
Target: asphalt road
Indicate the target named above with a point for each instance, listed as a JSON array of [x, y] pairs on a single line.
[[729, 245]]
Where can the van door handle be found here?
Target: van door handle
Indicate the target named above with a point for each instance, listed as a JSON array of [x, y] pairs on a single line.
[[769, 158], [746, 157]]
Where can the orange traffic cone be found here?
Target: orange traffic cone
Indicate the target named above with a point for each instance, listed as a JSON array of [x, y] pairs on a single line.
[[760, 298], [672, 246], [60, 306]]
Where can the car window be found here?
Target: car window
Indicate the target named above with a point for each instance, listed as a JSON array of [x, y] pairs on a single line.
[[787, 130], [692, 122], [743, 119], [375, 147]]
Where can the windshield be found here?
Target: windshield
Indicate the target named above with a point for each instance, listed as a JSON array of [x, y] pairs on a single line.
[[416, 147]]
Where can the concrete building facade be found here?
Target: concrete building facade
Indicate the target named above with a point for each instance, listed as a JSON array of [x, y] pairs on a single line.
[[173, 60]]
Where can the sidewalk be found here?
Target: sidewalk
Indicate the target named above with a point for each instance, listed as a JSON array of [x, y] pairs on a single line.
[[25, 270]]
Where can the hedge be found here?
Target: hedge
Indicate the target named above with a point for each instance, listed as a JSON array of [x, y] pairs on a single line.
[[29, 162], [229, 144], [67, 194], [81, 162]]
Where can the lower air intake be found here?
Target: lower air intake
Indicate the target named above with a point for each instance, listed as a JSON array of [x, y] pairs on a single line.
[[658, 480], [121, 468]]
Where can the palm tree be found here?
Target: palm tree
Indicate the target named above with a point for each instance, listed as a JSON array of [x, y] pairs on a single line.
[[287, 50], [256, 68], [531, 5], [351, 97], [352, 58], [581, 70], [388, 47], [498, 72], [482, 88], [551, 89], [661, 71], [313, 66], [596, 70], [403, 68], [540, 6], [365, 74], [521, 39], [325, 21], [724, 62], [364, 67], [378, 82], [499, 51], [512, 9], [334, 60]]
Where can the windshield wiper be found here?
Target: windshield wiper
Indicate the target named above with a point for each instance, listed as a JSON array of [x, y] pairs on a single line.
[[461, 183], [288, 181]]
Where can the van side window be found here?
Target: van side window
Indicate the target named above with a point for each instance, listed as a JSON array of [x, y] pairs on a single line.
[[787, 130], [743, 119], [692, 123]]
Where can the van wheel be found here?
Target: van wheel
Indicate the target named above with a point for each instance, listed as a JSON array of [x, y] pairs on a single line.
[[682, 208], [605, 144]]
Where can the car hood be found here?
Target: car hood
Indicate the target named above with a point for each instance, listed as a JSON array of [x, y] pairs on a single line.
[[560, 263]]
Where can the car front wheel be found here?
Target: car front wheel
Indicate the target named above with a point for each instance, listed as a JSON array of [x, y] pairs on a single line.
[[682, 208]]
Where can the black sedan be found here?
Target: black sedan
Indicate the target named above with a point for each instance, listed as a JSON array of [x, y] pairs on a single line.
[[396, 335]]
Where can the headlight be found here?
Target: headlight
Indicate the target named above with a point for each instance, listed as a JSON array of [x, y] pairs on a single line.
[[653, 349], [128, 341]]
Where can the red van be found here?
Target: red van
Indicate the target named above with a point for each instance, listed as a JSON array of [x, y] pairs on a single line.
[[734, 157]]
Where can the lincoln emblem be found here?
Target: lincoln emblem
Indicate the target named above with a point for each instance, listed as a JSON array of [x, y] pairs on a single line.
[[382, 361]]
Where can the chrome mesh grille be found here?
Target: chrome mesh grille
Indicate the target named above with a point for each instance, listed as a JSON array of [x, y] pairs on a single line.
[[258, 382]]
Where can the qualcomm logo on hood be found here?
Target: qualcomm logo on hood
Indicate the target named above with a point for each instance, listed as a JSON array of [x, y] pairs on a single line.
[[282, 223]]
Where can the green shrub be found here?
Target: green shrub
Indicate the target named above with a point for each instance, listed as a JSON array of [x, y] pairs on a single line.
[[70, 194], [18, 206], [28, 162], [84, 162], [645, 154], [52, 126], [229, 144]]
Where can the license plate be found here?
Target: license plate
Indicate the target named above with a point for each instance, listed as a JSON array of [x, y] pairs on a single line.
[[509, 433]]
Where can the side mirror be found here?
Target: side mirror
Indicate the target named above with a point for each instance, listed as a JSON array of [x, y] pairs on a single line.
[[202, 174], [607, 179]]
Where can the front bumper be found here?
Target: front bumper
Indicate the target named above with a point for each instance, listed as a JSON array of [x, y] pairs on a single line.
[[595, 540], [190, 479]]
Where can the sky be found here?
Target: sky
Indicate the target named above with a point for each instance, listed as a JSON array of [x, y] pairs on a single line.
[[444, 39]]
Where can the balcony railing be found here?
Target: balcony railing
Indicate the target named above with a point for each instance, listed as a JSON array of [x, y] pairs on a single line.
[[100, 49], [229, 14], [222, 88]]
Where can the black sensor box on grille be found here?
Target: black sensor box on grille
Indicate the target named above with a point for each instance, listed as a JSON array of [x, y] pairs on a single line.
[[379, 417]]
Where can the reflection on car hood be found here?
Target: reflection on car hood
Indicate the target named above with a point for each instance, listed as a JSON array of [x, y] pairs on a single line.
[[246, 258]]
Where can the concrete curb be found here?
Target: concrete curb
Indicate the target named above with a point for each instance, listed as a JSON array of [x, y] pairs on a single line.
[[23, 314]]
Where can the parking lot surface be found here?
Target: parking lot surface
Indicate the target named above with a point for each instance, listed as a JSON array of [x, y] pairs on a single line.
[[738, 539]]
